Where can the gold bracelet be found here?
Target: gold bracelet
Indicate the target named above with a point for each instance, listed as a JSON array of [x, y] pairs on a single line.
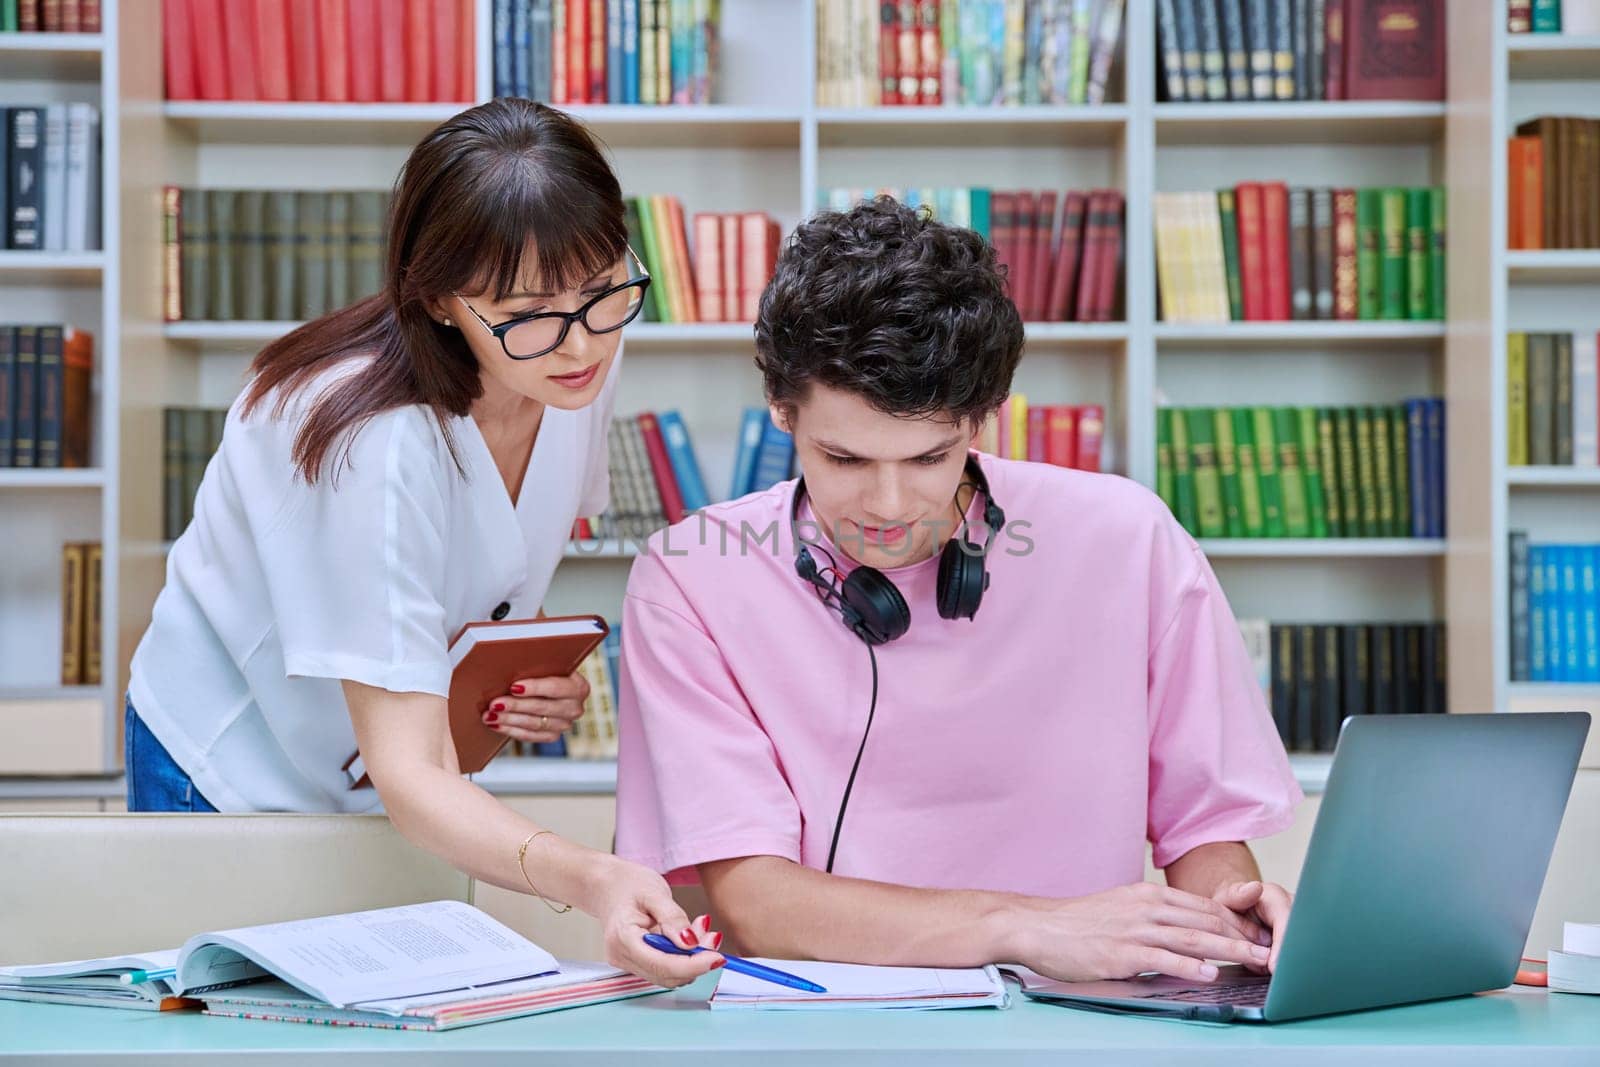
[[523, 851]]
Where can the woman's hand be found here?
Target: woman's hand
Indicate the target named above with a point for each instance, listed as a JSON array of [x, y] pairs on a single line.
[[631, 901], [538, 709]]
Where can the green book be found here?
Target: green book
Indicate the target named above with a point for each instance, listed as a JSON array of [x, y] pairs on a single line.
[[1399, 446], [1392, 246], [1183, 474], [1349, 475], [368, 209], [630, 215], [1311, 463], [224, 306], [980, 199], [1383, 471], [1369, 258], [1244, 438], [1230, 253], [653, 261], [311, 247], [1546, 16], [1165, 487], [338, 257], [1267, 470], [282, 214], [250, 253], [194, 253], [1419, 223], [1328, 453], [1291, 476], [1366, 476], [1436, 250], [1207, 475], [8, 21], [1228, 465]]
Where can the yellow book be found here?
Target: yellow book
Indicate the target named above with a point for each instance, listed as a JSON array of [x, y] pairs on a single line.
[[1517, 399], [1019, 426], [91, 614], [72, 561], [1166, 273]]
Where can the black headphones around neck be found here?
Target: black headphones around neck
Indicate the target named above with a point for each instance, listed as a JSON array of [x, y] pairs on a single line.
[[868, 602]]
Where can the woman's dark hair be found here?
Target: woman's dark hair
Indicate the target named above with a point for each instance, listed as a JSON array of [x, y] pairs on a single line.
[[882, 301], [471, 199]]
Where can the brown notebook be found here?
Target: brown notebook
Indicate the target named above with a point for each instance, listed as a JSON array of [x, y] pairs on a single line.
[[485, 659]]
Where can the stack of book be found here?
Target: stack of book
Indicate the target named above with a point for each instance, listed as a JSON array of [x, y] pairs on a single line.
[[1061, 266], [189, 438], [1264, 252], [1213, 50], [1317, 675], [319, 50], [1552, 171], [45, 374], [1304, 472], [49, 16], [655, 479], [80, 612], [1552, 399], [50, 177], [1555, 611], [1572, 17], [1067, 435], [594, 735], [252, 254], [717, 276], [607, 51], [971, 53]]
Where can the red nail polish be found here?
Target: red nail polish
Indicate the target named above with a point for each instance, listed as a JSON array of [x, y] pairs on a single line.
[[716, 940], [491, 718], [687, 935], [517, 689], [719, 963], [497, 706]]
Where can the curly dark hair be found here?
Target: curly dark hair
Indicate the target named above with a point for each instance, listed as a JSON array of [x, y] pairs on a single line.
[[882, 301]]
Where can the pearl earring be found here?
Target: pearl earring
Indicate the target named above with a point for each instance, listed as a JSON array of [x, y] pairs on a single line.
[[447, 322]]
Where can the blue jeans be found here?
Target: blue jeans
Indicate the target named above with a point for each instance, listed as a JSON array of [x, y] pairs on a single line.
[[155, 781]]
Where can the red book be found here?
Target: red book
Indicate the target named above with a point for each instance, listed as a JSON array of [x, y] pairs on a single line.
[[1345, 292], [597, 51], [655, 447], [1038, 433], [1252, 270], [889, 53], [419, 51], [1022, 242], [305, 82], [1064, 275], [757, 251], [708, 265], [1275, 248], [391, 48], [466, 64], [1333, 50], [577, 51], [1525, 180], [1093, 258], [1091, 432], [731, 263], [1110, 270], [1002, 220], [206, 34], [238, 30], [1061, 446], [272, 50], [335, 50], [1394, 49], [177, 50], [582, 531], [928, 36], [1039, 297], [446, 49], [71, 17], [364, 33], [91, 16], [910, 59]]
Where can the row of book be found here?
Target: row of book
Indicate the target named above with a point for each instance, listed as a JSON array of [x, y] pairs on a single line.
[[1061, 265], [1553, 184], [1304, 472], [80, 612], [252, 254], [189, 438], [1552, 399], [45, 384], [969, 53], [1555, 611], [1262, 251], [732, 257], [1213, 50], [49, 16], [594, 735], [334, 51], [1317, 675], [50, 177], [1572, 17], [1067, 435], [607, 51]]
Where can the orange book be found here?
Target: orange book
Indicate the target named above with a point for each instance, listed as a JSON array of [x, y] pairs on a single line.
[[597, 52], [677, 233], [305, 82], [272, 50], [335, 50], [419, 51], [77, 362], [1091, 432], [446, 49], [238, 32], [730, 268], [1525, 182], [577, 51], [1061, 435]]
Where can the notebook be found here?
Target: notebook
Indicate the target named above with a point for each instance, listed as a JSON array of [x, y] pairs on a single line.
[[96, 983], [851, 986]]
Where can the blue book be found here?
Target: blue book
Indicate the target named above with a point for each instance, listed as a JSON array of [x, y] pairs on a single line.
[[612, 649], [630, 51], [614, 51], [1571, 613], [1436, 461], [680, 453], [1538, 606], [751, 427], [540, 61], [775, 459], [1589, 603], [502, 48], [520, 85], [1417, 460], [1554, 650], [682, 43]]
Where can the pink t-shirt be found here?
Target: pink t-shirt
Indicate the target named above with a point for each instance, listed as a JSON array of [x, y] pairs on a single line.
[[1102, 697]]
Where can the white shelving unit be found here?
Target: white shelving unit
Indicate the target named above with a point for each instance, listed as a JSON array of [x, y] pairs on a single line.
[[42, 509]]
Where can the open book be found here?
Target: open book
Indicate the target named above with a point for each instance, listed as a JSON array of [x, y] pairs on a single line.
[[433, 965], [852, 985]]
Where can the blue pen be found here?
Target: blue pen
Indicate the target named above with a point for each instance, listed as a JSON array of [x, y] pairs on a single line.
[[740, 965], [136, 977]]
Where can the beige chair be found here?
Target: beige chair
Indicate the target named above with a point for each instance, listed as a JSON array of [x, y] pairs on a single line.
[[79, 886]]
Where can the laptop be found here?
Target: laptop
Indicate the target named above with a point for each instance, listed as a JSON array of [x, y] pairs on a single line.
[[1420, 881]]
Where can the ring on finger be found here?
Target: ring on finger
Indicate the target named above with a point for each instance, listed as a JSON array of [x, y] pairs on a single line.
[[544, 720]]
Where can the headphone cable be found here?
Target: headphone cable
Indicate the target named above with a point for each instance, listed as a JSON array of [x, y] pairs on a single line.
[[838, 823]]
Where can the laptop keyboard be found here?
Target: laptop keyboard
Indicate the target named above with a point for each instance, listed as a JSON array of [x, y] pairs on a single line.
[[1247, 994]]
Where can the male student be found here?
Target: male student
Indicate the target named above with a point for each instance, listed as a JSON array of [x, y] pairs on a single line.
[[1037, 711]]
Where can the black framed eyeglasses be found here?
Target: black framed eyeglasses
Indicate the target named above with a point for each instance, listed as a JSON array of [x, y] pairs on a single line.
[[539, 334]]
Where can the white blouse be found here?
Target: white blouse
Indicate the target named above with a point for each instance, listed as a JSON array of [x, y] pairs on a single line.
[[277, 590]]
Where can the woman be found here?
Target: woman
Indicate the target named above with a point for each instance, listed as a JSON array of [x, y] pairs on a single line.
[[394, 470]]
